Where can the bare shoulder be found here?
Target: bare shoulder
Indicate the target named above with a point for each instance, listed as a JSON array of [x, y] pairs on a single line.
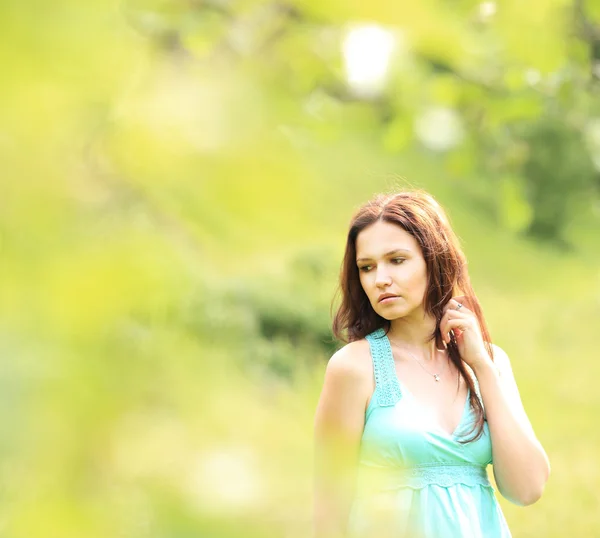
[[505, 371], [501, 361], [348, 380], [353, 360]]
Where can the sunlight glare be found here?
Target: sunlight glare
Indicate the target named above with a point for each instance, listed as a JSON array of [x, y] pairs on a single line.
[[367, 51], [225, 479], [439, 128]]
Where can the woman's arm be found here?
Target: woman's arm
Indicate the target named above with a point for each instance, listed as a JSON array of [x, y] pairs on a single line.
[[339, 423], [521, 466]]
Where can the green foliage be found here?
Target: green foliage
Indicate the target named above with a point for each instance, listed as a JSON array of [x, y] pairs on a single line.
[[560, 176], [177, 179], [476, 61]]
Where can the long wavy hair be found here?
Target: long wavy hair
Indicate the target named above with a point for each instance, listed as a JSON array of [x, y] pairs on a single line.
[[418, 213]]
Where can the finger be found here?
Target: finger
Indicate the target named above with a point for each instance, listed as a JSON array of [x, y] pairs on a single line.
[[455, 333], [449, 314], [446, 328], [454, 304], [464, 300], [456, 326], [452, 314]]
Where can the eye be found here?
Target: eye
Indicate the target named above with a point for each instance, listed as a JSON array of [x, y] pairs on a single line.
[[398, 261], [364, 268]]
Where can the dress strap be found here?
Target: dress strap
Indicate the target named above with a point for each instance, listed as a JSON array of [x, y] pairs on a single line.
[[386, 381]]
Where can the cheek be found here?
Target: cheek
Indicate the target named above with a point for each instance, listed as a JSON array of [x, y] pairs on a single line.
[[363, 283], [419, 281], [422, 283], [366, 284]]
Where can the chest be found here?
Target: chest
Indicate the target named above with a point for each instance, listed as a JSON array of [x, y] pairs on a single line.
[[404, 434], [440, 402]]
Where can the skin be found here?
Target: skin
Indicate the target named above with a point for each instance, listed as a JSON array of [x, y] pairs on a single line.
[[390, 261], [521, 467]]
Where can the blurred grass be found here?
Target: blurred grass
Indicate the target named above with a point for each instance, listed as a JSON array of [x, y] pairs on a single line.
[[170, 237]]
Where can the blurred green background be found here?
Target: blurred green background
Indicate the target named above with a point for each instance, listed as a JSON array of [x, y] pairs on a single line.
[[177, 181]]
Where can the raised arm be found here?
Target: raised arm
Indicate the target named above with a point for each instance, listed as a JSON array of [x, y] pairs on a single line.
[[521, 466], [339, 423]]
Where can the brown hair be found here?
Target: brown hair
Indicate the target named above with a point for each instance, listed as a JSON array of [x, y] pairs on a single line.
[[420, 215]]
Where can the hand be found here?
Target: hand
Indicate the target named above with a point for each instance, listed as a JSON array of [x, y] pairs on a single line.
[[463, 323]]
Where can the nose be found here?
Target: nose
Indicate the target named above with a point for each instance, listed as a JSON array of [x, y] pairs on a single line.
[[382, 278]]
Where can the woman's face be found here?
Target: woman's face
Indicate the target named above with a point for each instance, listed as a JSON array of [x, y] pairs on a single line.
[[390, 261]]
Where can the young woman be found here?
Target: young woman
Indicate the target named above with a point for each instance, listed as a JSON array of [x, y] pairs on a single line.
[[419, 401]]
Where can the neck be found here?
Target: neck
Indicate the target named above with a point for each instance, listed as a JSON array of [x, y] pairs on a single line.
[[414, 335]]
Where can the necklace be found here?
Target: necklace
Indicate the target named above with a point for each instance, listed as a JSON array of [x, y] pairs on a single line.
[[435, 376]]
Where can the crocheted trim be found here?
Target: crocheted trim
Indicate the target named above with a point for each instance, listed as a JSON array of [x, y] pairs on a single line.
[[443, 475], [388, 393]]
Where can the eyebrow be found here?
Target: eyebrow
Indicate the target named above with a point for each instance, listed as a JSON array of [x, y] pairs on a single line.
[[395, 251]]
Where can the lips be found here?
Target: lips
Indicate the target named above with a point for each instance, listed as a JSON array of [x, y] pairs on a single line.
[[386, 296]]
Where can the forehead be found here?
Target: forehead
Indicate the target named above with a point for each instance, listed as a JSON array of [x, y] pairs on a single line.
[[381, 237]]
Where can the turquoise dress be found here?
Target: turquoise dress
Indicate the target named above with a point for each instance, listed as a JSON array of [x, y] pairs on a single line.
[[414, 479]]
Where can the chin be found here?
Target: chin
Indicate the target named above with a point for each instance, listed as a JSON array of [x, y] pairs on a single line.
[[390, 314], [396, 313]]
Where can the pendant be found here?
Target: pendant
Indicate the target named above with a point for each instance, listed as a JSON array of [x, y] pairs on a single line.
[[437, 377]]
